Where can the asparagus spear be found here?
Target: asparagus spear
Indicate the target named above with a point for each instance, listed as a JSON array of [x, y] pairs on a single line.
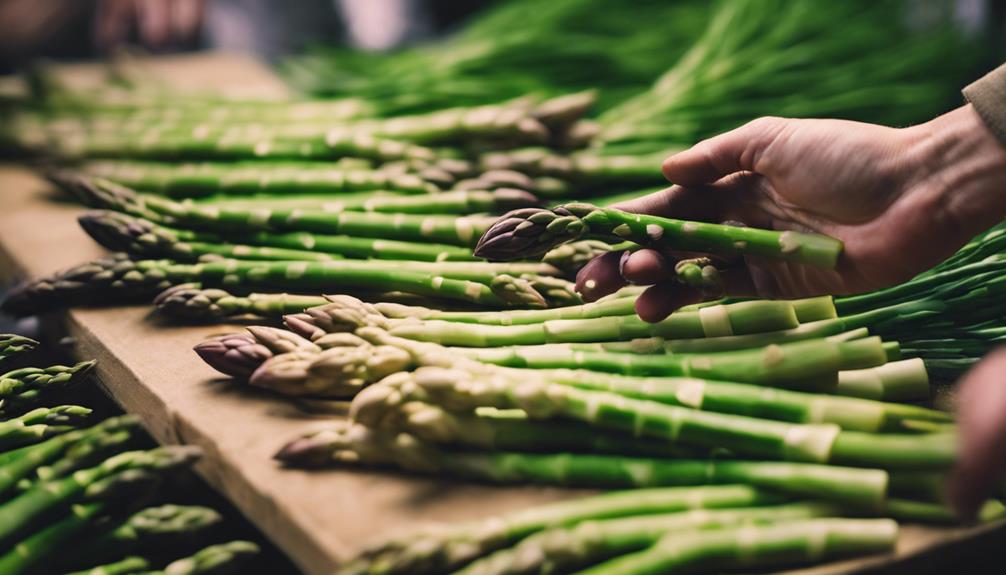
[[14, 434], [21, 513], [441, 549], [220, 559], [533, 231], [99, 193], [819, 443], [126, 566], [122, 232], [356, 444], [18, 464], [566, 549], [810, 364], [202, 179], [12, 345], [118, 278], [743, 318], [808, 541], [22, 387], [755, 401], [57, 415], [151, 528]]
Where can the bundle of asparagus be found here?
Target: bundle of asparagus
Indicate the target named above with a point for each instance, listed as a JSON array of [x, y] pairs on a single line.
[[97, 489]]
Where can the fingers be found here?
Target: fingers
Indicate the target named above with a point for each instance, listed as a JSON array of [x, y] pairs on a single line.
[[601, 276], [982, 415], [735, 151], [674, 202], [661, 300]]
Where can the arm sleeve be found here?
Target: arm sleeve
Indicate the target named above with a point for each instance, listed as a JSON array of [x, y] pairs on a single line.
[[988, 96]]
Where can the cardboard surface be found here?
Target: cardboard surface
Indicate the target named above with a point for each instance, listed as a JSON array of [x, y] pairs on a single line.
[[147, 366]]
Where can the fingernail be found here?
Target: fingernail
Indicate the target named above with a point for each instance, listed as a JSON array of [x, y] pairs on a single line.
[[621, 264]]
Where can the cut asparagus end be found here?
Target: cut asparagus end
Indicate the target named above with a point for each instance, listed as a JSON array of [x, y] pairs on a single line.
[[905, 380]]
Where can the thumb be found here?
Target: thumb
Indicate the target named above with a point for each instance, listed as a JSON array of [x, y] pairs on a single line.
[[734, 151]]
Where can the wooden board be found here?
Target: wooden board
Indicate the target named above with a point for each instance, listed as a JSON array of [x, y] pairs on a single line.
[[148, 367]]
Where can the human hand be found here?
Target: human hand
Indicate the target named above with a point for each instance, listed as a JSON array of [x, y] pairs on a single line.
[[158, 23], [901, 200], [981, 465]]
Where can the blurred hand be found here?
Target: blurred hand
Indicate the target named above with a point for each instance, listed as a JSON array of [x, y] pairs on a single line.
[[158, 23], [902, 200], [982, 437]]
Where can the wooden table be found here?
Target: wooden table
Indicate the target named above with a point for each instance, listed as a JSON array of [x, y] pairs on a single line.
[[147, 366]]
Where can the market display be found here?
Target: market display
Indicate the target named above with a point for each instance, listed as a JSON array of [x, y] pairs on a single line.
[[409, 245]]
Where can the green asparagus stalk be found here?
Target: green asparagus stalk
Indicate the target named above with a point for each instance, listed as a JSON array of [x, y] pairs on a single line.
[[14, 434], [57, 415], [742, 318], [23, 387], [98, 193], [533, 231], [459, 390], [756, 401], [126, 566], [21, 513], [220, 559], [241, 179], [566, 549], [122, 232], [811, 364], [785, 543], [442, 549], [155, 529], [356, 444], [150, 528], [118, 278], [20, 463], [11, 345]]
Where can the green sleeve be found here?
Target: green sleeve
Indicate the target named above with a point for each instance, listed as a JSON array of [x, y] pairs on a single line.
[[988, 96]]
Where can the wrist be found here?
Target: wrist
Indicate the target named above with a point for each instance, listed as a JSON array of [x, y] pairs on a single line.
[[965, 166]]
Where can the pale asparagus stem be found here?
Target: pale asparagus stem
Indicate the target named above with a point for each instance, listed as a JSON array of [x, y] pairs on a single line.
[[443, 548], [356, 444], [801, 541], [468, 387], [346, 365], [593, 541], [123, 232], [534, 231], [346, 313]]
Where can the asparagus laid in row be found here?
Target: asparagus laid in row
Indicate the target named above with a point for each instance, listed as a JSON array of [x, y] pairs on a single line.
[[441, 549], [809, 541], [356, 444], [566, 549], [119, 278], [60, 454], [122, 232], [24, 387], [344, 313], [246, 178], [20, 514], [533, 231], [15, 434], [777, 440], [95, 192], [151, 528]]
